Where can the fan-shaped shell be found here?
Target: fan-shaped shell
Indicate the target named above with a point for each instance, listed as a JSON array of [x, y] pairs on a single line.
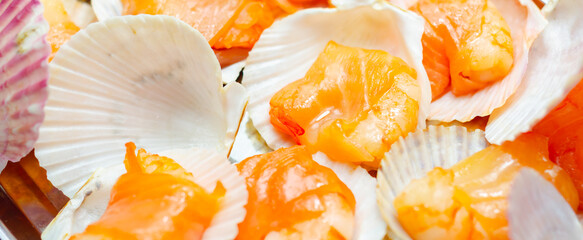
[[412, 157], [24, 74], [207, 167], [288, 48], [555, 67], [149, 79]]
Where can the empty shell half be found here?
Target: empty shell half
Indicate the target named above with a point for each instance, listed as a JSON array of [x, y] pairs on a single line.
[[207, 167], [24, 74], [555, 67], [288, 48], [149, 79], [412, 157]]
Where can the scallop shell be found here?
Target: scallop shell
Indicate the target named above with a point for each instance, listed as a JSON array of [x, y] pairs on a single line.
[[526, 22], [105, 9], [80, 12], [24, 73], [369, 224], [90, 202], [412, 157], [555, 67], [149, 79], [288, 48], [537, 211]]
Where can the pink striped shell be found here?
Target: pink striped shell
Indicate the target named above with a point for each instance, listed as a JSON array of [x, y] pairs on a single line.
[[24, 74]]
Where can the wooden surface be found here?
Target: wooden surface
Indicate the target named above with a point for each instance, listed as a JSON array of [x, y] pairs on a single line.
[[28, 200]]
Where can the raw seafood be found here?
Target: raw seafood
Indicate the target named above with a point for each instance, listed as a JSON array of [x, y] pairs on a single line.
[[290, 195], [155, 199], [465, 43], [555, 66], [564, 127], [469, 200], [288, 49], [351, 105]]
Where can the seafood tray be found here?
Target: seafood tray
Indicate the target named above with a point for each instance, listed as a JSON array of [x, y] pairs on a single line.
[[291, 119]]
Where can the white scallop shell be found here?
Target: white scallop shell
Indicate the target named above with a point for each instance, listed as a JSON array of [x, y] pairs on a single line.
[[537, 211], [526, 22], [208, 167], [412, 157], [288, 48], [23, 76], [153, 80], [105, 9], [554, 68], [369, 224], [80, 12]]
